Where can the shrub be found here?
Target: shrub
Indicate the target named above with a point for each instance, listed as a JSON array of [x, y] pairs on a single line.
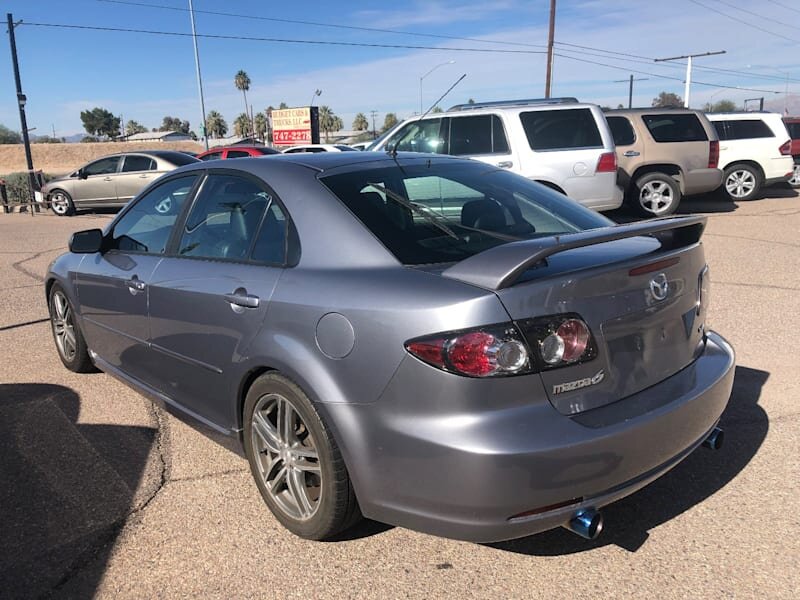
[[17, 186]]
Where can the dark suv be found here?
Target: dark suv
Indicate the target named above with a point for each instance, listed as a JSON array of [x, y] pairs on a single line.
[[793, 127], [662, 155]]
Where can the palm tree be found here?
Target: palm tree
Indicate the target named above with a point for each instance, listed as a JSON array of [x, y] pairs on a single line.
[[216, 126], [260, 126], [242, 83], [328, 121], [360, 123], [389, 122], [241, 125]]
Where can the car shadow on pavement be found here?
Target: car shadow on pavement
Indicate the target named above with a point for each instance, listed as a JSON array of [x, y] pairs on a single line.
[[67, 489], [701, 475]]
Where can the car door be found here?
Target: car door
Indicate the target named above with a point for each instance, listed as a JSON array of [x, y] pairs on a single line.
[[483, 138], [209, 298], [112, 285], [96, 182], [630, 149], [136, 173]]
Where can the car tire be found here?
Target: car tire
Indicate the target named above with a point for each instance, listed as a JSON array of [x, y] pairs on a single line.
[[67, 334], [795, 180], [61, 203], [298, 467], [742, 182], [655, 195]]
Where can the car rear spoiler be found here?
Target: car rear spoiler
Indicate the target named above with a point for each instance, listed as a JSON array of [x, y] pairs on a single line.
[[499, 267]]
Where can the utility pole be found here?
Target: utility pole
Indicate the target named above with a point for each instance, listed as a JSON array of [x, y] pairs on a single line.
[[630, 81], [688, 58], [21, 99], [199, 78], [549, 75], [374, 132]]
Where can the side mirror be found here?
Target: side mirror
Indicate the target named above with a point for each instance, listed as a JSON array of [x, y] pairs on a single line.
[[86, 242], [82, 174]]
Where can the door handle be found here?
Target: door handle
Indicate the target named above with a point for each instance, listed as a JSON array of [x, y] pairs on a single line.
[[143, 176], [631, 153], [107, 179], [723, 147], [505, 164], [135, 285], [241, 298]]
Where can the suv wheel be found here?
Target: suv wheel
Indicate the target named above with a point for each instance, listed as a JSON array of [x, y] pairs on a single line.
[[742, 182], [795, 180], [656, 195]]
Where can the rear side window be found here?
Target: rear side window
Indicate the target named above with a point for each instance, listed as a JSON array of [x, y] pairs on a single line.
[[561, 129], [477, 134], [746, 129], [212, 156], [684, 127], [138, 163], [622, 130], [794, 130], [238, 154], [418, 136]]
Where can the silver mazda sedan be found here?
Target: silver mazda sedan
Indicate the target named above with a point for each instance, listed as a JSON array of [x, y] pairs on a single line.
[[427, 341]]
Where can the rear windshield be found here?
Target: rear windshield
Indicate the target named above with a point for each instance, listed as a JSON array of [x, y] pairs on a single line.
[[684, 127], [561, 129], [439, 213], [178, 158]]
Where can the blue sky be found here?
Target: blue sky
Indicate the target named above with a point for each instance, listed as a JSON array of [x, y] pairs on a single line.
[[145, 77]]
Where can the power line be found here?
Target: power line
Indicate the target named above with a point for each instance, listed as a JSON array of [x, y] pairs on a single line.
[[724, 14], [281, 40], [755, 14], [318, 24], [659, 75], [784, 6]]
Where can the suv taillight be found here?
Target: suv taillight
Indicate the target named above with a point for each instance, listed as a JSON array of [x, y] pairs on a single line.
[[713, 154], [786, 148], [607, 163]]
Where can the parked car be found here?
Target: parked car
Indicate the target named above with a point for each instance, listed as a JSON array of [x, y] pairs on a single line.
[[111, 181], [793, 127], [459, 351], [664, 154], [225, 152], [361, 145], [561, 143], [755, 150], [319, 148]]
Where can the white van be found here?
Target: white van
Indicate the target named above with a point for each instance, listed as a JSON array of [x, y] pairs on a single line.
[[754, 150], [559, 142]]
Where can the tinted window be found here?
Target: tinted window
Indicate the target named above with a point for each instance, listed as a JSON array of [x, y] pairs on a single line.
[[794, 130], [684, 127], [444, 213], [622, 130], [561, 129], [224, 219], [748, 129], [271, 242], [418, 136], [177, 158], [237, 154], [344, 148], [212, 156], [138, 163], [147, 225], [104, 166], [478, 134], [266, 150], [719, 126]]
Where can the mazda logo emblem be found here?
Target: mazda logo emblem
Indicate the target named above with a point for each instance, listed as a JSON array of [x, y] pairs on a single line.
[[659, 286]]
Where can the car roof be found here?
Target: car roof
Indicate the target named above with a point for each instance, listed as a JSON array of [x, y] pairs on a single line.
[[237, 147], [652, 109]]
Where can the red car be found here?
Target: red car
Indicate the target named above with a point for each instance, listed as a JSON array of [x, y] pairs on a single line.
[[793, 127], [235, 152]]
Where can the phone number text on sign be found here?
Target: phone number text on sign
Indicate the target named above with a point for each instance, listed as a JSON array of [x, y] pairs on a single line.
[[291, 136]]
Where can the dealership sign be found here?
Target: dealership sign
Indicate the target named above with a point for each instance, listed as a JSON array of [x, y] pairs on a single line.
[[292, 126]]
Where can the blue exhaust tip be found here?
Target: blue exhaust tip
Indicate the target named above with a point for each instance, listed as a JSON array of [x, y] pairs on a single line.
[[587, 523]]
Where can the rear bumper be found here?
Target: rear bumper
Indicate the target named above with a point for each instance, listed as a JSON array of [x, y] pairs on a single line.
[[778, 170], [460, 457], [700, 181], [598, 192]]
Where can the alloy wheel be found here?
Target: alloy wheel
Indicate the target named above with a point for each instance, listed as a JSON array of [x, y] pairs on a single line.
[[740, 183], [656, 197], [795, 180], [59, 202], [64, 327], [287, 457]]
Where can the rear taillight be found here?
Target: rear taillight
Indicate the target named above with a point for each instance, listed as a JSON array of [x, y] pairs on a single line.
[[786, 148], [713, 154], [607, 163], [499, 350], [483, 352]]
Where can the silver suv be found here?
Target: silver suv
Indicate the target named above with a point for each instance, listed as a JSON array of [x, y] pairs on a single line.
[[559, 142]]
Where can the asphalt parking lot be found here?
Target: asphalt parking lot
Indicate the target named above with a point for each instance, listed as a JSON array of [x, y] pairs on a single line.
[[104, 494]]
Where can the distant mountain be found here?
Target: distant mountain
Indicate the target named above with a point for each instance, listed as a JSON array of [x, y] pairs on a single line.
[[777, 103]]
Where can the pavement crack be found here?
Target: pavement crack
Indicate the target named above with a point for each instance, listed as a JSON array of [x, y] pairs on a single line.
[[17, 266], [751, 239], [760, 286], [209, 475], [25, 324]]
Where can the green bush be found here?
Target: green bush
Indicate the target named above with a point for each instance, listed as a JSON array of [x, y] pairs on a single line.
[[17, 186]]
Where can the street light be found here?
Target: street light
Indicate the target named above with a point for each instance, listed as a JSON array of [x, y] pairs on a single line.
[[314, 95], [449, 62]]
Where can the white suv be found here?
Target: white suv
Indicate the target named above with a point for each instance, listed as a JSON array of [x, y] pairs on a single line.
[[559, 142], [754, 150]]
